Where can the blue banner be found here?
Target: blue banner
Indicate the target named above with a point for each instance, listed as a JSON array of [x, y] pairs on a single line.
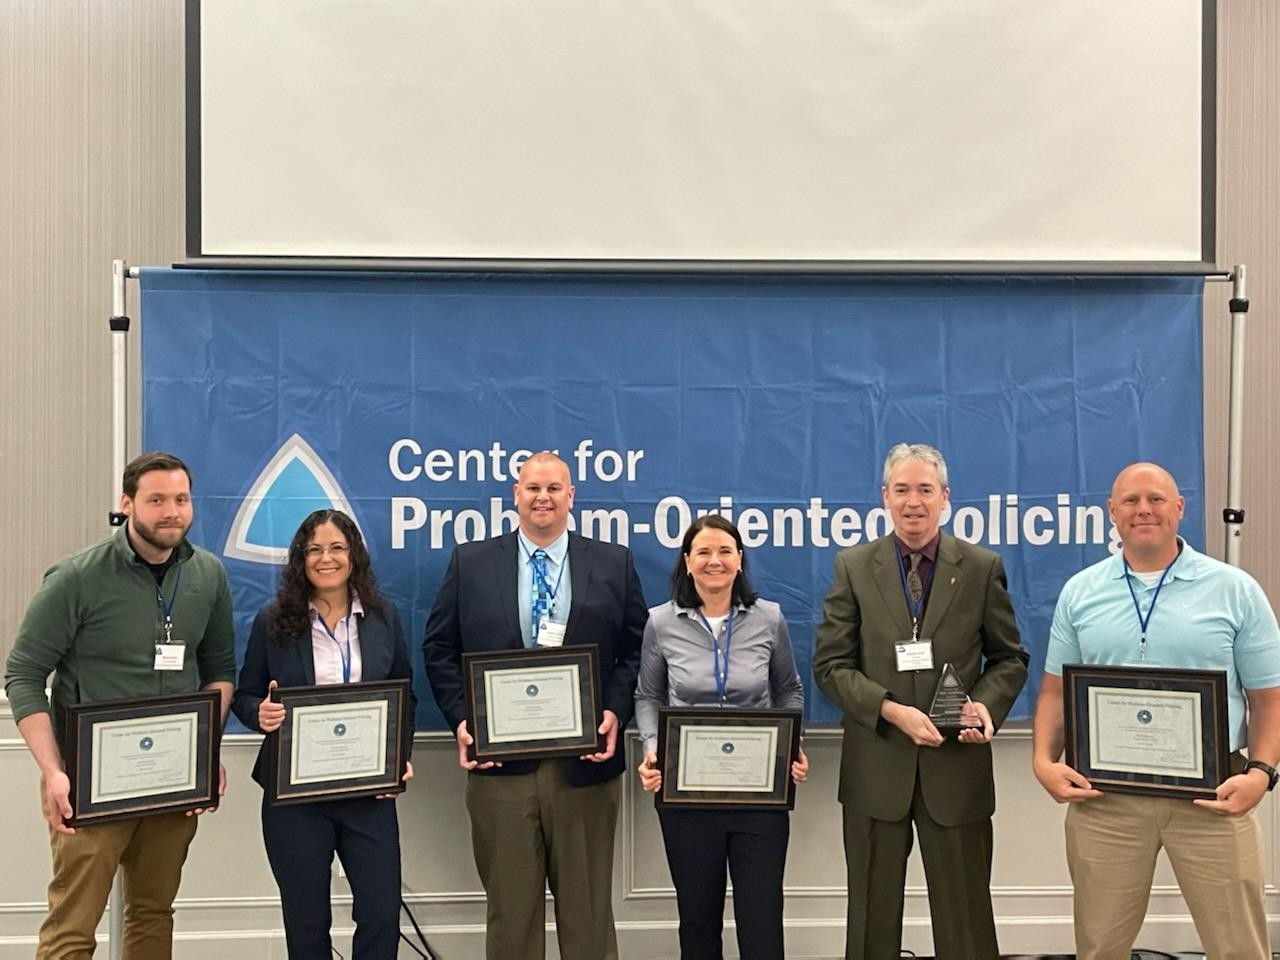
[[410, 401]]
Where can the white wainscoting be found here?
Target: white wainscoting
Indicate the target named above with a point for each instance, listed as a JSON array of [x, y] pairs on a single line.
[[228, 899]]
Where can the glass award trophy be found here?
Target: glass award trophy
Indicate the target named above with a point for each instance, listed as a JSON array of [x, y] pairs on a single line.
[[948, 703]]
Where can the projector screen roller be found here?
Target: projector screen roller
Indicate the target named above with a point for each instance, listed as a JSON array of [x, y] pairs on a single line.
[[833, 131]]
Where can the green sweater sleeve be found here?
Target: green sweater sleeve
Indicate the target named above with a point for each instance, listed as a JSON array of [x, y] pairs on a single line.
[[217, 653], [47, 632]]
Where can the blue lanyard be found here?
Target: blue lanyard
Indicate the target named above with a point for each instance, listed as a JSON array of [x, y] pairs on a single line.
[[916, 609], [721, 670], [166, 607], [344, 653], [1144, 621]]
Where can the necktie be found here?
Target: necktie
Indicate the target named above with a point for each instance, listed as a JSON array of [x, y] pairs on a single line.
[[914, 585], [541, 589]]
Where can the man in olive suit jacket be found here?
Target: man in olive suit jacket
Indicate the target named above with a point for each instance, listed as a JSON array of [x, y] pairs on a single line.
[[899, 609]]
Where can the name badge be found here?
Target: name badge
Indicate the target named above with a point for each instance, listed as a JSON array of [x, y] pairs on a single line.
[[550, 633], [170, 656], [915, 655]]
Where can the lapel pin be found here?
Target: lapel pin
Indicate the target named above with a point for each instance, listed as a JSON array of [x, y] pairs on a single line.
[[953, 581]]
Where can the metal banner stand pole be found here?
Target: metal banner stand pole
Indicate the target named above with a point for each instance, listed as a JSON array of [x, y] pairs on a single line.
[[1233, 513], [119, 324]]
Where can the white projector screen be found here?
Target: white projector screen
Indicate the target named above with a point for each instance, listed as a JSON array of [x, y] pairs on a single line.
[[774, 131]]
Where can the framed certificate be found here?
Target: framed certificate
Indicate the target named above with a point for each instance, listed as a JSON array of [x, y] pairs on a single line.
[[130, 758], [1150, 730], [339, 740], [724, 758], [533, 702]]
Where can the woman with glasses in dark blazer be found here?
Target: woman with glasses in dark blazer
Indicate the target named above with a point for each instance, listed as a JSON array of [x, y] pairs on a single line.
[[328, 624]]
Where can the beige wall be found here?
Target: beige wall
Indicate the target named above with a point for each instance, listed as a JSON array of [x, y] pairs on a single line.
[[91, 169]]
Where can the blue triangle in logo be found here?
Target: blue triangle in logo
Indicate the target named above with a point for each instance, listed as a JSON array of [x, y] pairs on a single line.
[[285, 504], [293, 484]]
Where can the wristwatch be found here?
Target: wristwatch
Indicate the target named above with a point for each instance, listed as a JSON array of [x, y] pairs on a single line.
[[1268, 769]]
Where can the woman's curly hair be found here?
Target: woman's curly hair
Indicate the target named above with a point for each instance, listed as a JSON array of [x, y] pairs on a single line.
[[290, 615]]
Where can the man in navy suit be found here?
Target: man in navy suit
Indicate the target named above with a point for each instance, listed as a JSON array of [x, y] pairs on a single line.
[[534, 822]]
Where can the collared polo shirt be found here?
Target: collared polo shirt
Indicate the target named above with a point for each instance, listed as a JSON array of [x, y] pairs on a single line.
[[1209, 616]]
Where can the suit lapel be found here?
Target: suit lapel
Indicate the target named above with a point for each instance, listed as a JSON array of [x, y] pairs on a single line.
[[511, 563], [375, 661], [580, 579], [306, 659], [889, 580], [946, 584]]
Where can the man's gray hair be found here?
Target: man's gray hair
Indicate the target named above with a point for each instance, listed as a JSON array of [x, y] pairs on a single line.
[[915, 451]]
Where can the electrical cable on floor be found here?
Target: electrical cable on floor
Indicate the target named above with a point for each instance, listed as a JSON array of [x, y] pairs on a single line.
[[425, 950]]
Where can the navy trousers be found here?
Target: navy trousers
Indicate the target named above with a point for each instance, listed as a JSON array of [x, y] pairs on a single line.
[[753, 845], [301, 841]]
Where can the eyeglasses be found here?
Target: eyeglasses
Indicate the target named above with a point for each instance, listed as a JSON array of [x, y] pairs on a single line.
[[337, 551]]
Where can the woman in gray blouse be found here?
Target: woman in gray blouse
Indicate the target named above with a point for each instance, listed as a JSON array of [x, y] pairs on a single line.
[[715, 643]]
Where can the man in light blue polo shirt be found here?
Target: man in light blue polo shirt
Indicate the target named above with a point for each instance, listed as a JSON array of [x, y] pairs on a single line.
[[1161, 603]]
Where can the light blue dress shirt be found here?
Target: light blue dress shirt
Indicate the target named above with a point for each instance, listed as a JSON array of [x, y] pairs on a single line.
[[1209, 616], [557, 573]]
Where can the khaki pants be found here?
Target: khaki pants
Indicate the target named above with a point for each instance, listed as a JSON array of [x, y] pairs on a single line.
[[532, 830], [1112, 842], [150, 851]]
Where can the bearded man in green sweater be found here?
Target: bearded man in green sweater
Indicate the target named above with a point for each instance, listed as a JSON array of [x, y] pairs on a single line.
[[142, 613]]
